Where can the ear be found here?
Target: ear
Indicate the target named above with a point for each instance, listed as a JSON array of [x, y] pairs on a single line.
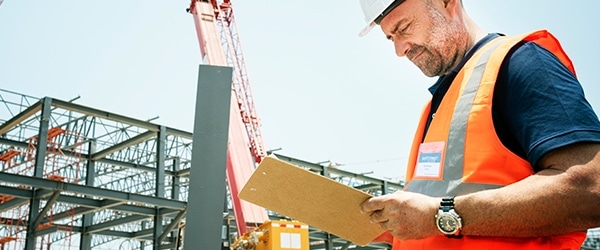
[[452, 7]]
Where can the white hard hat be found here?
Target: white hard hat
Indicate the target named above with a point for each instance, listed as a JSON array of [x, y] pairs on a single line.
[[375, 9]]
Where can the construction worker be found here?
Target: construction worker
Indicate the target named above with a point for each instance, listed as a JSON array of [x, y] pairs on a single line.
[[507, 152]]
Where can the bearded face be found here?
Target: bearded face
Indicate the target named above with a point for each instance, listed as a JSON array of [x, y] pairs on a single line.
[[433, 41]]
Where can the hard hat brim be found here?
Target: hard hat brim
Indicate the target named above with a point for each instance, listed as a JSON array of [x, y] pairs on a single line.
[[376, 19], [367, 29]]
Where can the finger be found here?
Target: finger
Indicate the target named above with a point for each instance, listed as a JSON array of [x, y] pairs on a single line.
[[372, 204], [378, 217], [384, 225]]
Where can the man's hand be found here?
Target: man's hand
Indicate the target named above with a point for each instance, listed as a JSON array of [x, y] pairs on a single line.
[[405, 215]]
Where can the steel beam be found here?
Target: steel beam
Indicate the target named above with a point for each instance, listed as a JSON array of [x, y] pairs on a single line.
[[38, 172], [159, 185], [85, 241], [15, 202], [118, 118], [160, 163], [20, 196], [36, 222], [93, 191], [69, 153], [79, 211], [31, 110], [130, 165], [109, 224], [157, 230], [176, 180], [104, 115], [131, 141], [172, 226]]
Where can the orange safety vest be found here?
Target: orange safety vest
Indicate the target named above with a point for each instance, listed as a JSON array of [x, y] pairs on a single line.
[[462, 154]]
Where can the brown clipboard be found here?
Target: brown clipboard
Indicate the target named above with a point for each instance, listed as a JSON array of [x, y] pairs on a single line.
[[310, 198]]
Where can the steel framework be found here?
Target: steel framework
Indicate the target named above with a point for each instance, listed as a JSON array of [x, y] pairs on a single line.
[[76, 177]]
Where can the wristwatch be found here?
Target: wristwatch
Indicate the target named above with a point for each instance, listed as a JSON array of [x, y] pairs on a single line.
[[447, 220]]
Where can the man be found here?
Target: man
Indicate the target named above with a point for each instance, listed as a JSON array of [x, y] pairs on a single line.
[[507, 153]]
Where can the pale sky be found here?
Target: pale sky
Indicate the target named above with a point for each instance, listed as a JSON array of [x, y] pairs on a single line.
[[322, 93]]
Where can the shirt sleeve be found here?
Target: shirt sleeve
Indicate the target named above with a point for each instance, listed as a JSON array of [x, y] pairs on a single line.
[[541, 104]]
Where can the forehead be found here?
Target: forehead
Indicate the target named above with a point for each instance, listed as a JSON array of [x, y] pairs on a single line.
[[408, 10], [387, 10]]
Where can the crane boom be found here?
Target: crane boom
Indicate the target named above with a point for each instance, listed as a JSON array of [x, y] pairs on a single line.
[[220, 46]]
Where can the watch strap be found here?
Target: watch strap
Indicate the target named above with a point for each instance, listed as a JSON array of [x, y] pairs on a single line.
[[447, 203]]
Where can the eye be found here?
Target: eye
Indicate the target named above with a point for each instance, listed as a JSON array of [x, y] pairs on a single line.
[[404, 29]]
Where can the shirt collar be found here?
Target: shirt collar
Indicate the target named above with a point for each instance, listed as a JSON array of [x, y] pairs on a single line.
[[468, 55]]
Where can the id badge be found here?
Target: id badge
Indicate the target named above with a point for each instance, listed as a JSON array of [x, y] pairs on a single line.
[[430, 160]]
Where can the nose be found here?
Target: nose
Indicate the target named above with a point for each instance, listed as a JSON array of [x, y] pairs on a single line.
[[402, 47]]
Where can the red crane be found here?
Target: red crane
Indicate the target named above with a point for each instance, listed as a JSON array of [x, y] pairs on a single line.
[[220, 46]]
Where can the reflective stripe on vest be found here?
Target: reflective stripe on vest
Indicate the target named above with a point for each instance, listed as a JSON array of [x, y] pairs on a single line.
[[452, 183]]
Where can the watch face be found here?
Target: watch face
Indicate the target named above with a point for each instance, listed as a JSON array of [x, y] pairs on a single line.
[[447, 224]]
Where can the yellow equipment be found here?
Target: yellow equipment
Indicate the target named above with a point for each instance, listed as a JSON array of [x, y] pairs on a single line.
[[275, 235]]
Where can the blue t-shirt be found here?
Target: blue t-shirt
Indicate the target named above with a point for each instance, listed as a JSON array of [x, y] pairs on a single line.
[[538, 104]]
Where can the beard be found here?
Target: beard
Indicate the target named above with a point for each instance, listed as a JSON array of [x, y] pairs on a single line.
[[446, 44]]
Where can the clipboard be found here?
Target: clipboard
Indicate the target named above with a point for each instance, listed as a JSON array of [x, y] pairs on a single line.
[[310, 198]]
